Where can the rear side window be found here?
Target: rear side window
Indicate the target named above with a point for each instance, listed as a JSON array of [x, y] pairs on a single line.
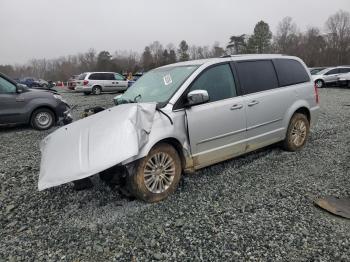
[[344, 70], [257, 76], [97, 76], [290, 72], [109, 77]]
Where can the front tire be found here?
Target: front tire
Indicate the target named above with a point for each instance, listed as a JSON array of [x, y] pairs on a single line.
[[157, 175], [297, 133], [320, 83], [42, 119]]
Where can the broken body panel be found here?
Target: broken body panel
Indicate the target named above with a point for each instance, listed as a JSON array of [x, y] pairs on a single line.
[[117, 135]]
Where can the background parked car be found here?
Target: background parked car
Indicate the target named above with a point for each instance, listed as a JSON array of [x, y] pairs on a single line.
[[98, 82], [344, 80], [30, 82], [22, 105], [329, 76]]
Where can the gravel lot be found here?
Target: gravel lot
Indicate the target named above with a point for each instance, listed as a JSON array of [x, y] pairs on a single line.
[[258, 207]]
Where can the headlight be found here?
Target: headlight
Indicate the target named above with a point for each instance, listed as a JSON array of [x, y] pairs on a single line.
[[59, 97]]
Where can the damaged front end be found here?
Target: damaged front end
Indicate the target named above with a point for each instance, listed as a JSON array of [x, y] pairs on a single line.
[[95, 143]]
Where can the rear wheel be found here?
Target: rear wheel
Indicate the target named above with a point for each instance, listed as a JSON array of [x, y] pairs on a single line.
[[297, 133], [320, 83], [96, 90], [42, 119], [157, 175]]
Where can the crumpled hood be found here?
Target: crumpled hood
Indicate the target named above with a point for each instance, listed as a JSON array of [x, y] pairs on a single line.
[[95, 143]]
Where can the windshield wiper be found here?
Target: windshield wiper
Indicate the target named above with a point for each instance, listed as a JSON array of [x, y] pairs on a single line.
[[138, 96]]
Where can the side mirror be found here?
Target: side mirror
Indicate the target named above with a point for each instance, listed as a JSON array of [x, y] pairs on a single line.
[[20, 88], [197, 97], [116, 99]]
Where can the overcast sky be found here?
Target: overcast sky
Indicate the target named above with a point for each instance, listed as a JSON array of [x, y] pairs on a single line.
[[54, 28]]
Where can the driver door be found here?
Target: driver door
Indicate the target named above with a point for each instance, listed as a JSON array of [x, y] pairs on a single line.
[[217, 129]]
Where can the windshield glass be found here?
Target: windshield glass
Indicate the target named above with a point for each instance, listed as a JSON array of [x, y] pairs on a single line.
[[322, 72], [158, 85]]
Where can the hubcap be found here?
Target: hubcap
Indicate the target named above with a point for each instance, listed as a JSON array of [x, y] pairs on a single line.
[[97, 91], [319, 84], [299, 133], [159, 172], [43, 119]]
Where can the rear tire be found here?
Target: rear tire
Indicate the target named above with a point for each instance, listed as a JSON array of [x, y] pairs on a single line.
[[96, 90], [156, 176], [42, 119], [297, 133]]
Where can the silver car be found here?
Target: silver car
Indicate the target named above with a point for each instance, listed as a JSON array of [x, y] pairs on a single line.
[[182, 117], [329, 76], [98, 82]]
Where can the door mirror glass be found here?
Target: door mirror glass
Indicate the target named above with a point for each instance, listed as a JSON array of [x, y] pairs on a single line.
[[197, 97], [20, 88]]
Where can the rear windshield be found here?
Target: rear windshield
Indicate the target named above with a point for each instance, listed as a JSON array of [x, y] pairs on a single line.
[[81, 77]]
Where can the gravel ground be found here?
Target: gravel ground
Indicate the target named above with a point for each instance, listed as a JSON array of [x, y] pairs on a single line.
[[258, 207]]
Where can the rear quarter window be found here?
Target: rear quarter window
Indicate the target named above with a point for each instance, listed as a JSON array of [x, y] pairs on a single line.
[[97, 76], [81, 77], [290, 72], [256, 76]]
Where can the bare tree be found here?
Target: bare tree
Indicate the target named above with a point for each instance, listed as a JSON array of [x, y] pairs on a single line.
[[338, 38], [286, 39]]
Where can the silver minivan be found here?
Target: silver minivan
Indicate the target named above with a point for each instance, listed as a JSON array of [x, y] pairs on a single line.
[[182, 117], [98, 82]]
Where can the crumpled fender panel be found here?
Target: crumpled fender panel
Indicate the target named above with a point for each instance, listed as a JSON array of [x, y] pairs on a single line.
[[95, 143]]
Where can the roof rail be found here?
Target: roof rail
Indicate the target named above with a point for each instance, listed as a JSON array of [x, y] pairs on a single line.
[[226, 56]]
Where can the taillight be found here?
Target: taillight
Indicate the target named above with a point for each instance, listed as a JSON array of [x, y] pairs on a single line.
[[316, 95], [85, 82]]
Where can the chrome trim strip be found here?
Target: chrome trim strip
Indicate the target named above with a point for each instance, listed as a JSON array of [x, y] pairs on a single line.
[[264, 124], [221, 136]]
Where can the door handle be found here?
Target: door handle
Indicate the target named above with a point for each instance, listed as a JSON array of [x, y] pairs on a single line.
[[253, 103], [116, 82], [236, 106]]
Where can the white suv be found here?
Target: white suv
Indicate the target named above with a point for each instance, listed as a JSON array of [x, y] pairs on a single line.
[[98, 82]]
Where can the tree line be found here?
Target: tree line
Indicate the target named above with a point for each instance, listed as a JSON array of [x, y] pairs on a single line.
[[315, 48]]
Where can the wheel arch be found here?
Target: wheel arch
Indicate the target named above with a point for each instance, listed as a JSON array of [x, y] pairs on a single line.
[[300, 106], [97, 85], [178, 147]]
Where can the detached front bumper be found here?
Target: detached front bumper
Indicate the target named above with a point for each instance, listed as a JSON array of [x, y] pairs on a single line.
[[64, 116]]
